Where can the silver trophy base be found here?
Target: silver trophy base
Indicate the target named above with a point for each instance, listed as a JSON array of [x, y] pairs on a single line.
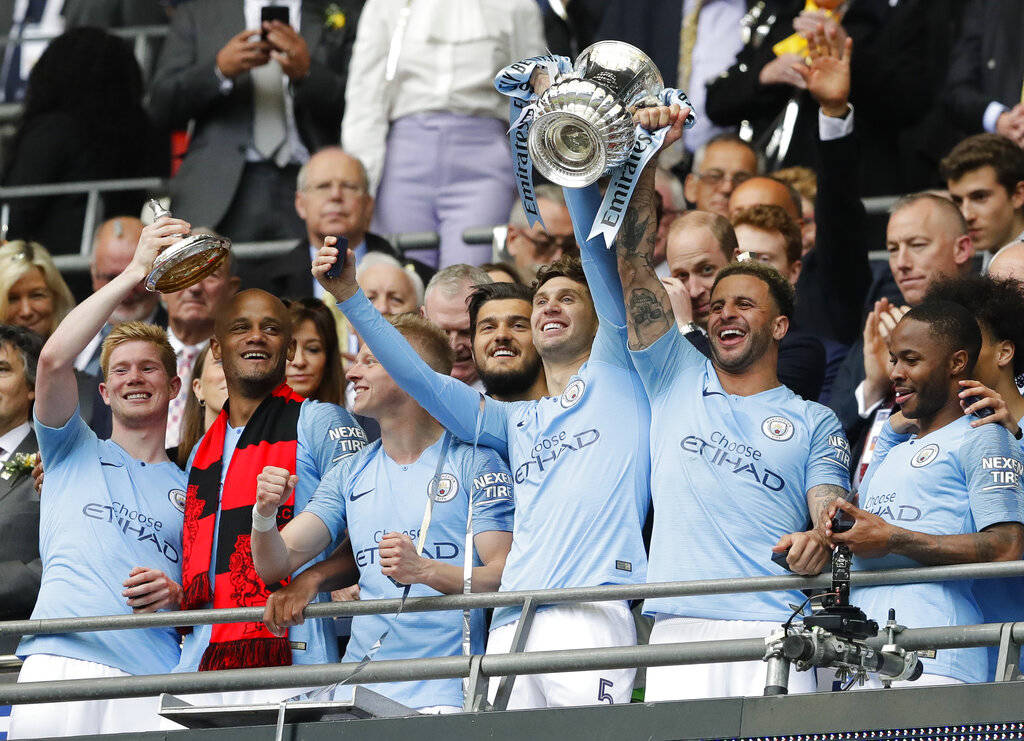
[[187, 262]]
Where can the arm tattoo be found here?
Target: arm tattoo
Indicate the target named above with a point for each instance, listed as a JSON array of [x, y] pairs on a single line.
[[820, 497], [646, 314]]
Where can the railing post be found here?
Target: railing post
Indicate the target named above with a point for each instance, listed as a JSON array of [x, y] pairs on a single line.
[[518, 644], [89, 223], [476, 690], [1008, 663]]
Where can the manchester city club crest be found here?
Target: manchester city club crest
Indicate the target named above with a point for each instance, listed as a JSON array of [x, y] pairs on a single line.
[[177, 497], [573, 393], [447, 488], [925, 456], [777, 428]]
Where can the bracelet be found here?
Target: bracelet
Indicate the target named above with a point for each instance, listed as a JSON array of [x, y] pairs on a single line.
[[262, 524]]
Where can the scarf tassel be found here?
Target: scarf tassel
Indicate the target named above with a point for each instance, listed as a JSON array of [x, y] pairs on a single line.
[[197, 592], [247, 653]]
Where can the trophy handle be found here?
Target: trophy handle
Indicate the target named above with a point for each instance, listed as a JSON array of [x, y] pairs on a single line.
[[158, 210]]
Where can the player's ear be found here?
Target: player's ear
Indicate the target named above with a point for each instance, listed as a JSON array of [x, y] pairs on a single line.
[[780, 326], [1005, 352], [958, 363]]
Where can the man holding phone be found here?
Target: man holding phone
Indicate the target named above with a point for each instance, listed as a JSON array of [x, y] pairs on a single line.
[[265, 84]]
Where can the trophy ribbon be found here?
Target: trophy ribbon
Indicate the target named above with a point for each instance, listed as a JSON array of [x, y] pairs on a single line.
[[514, 81]]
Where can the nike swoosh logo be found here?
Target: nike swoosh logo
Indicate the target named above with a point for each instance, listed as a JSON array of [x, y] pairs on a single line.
[[360, 494]]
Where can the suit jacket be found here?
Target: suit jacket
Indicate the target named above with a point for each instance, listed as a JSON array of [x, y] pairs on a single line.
[[185, 87], [801, 365], [20, 564], [987, 62], [288, 276]]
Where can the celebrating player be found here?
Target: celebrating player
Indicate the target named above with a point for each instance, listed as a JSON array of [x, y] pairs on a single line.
[[740, 463]]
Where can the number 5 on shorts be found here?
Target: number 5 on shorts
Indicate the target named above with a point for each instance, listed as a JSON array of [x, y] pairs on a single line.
[[602, 691]]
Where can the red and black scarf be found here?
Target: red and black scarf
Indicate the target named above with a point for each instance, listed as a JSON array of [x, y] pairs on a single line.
[[269, 439]]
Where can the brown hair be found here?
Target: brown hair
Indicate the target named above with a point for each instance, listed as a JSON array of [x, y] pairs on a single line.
[[134, 331], [770, 218], [427, 338], [193, 417], [717, 224], [313, 310], [567, 266], [982, 150], [801, 179]]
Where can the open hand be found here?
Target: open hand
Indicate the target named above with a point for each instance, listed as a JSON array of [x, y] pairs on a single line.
[[985, 398], [827, 74]]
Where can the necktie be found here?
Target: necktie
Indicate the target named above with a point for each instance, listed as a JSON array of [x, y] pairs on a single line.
[[687, 41], [176, 409], [268, 116], [14, 85]]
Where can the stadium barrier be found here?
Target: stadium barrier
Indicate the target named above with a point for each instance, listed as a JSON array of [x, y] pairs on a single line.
[[478, 668]]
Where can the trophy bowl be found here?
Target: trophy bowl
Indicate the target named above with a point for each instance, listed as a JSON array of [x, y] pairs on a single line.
[[187, 261], [584, 123]]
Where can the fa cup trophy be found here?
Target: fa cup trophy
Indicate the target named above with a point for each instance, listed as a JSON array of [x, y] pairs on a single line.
[[583, 125], [187, 261]]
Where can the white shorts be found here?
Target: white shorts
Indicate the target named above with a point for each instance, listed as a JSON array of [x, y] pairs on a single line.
[[584, 625], [82, 718], [731, 679]]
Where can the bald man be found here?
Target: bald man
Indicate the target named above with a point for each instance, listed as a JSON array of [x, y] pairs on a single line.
[[332, 198], [765, 191], [113, 247], [718, 168], [264, 423], [1009, 263]]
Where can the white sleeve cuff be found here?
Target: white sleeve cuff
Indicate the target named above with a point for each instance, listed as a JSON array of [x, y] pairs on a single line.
[[226, 83], [830, 128], [863, 410], [992, 112]]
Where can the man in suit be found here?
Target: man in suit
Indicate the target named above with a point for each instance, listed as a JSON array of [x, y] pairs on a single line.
[[986, 68], [261, 100], [20, 565], [332, 198], [927, 239]]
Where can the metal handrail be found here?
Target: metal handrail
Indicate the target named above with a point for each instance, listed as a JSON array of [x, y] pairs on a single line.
[[454, 667], [81, 186], [480, 600]]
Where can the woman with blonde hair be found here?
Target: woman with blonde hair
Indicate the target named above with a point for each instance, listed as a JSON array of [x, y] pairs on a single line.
[[32, 292]]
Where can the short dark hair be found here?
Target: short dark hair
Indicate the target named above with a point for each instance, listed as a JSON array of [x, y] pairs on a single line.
[[494, 292], [28, 344], [717, 224], [567, 266], [951, 323], [982, 150], [997, 304], [780, 288], [503, 267], [771, 218]]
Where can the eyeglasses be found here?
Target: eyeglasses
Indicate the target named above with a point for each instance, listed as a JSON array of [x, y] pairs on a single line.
[[547, 243], [714, 178], [347, 187]]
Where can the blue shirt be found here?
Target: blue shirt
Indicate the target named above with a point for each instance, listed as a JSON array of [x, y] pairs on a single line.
[[952, 481], [104, 513], [326, 435], [729, 477], [371, 495], [580, 461]]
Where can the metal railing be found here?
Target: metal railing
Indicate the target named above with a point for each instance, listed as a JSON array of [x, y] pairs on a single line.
[[479, 668]]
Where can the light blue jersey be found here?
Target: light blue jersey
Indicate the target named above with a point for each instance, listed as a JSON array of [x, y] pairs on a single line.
[[952, 481], [580, 461], [371, 495], [1000, 600], [729, 477], [326, 435], [102, 514]]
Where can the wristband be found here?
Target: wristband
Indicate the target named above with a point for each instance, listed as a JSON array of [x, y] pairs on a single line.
[[262, 524]]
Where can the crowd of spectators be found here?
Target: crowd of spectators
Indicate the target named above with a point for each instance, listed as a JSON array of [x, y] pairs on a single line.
[[738, 331]]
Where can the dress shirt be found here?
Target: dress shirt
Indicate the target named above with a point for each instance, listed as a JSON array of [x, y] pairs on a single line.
[[10, 441], [447, 58]]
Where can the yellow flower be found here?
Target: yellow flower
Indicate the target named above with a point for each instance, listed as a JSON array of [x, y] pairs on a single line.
[[335, 18]]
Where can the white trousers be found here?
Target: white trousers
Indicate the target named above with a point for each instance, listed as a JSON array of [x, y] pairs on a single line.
[[583, 625], [731, 679], [84, 718]]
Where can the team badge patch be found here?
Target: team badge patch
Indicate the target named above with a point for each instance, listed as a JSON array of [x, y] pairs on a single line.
[[447, 488], [925, 456], [777, 428], [177, 497], [573, 393]]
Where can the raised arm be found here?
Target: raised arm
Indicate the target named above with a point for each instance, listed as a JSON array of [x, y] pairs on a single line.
[[451, 402], [599, 262], [56, 389], [648, 309]]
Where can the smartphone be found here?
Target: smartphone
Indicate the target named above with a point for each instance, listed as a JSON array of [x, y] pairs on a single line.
[[335, 271], [272, 13], [979, 413]]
